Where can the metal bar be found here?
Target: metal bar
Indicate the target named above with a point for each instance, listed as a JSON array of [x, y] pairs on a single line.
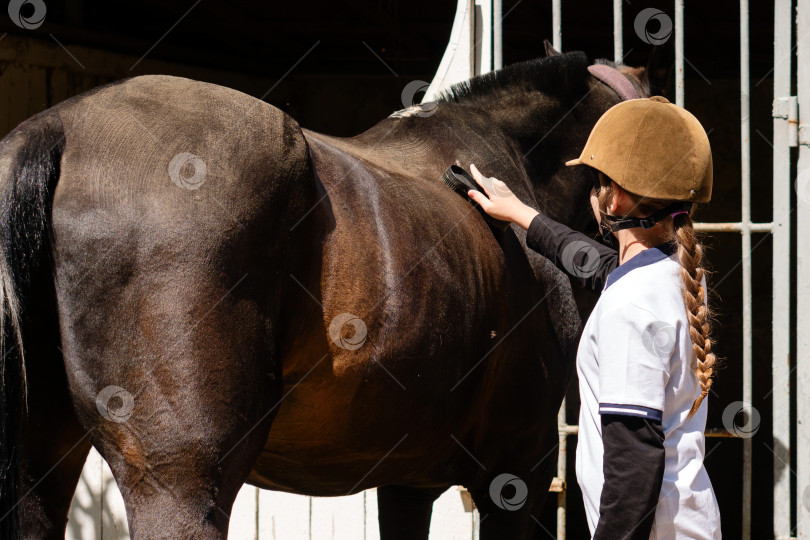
[[803, 278], [679, 85], [618, 37], [556, 24], [497, 34], [720, 432], [745, 166], [562, 424], [562, 471], [732, 227], [782, 129], [471, 36]]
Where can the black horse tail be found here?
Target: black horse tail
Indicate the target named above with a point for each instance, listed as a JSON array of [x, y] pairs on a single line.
[[29, 168]]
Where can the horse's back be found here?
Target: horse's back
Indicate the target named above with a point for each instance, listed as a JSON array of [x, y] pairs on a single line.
[[233, 145]]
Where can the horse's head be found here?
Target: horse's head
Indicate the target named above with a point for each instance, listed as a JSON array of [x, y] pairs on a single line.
[[543, 109]]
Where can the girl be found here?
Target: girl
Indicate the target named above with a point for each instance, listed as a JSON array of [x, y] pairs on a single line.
[[644, 360]]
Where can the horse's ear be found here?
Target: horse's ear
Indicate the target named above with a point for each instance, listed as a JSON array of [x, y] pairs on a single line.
[[550, 51], [660, 67]]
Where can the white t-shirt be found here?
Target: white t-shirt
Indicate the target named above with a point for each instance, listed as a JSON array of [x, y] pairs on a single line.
[[635, 357]]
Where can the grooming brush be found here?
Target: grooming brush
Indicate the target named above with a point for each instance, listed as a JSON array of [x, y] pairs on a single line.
[[461, 182]]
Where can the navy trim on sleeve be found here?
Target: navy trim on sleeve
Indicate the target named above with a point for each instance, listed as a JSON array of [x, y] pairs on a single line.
[[631, 410]]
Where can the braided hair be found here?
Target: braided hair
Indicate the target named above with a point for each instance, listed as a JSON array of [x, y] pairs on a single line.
[[690, 255]]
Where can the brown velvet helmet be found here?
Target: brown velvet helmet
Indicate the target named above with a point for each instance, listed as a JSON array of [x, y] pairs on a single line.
[[652, 148]]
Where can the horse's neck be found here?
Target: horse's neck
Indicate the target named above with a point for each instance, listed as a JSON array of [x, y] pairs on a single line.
[[425, 146], [499, 139]]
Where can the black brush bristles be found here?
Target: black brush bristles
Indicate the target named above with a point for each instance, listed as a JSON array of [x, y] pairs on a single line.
[[461, 182]]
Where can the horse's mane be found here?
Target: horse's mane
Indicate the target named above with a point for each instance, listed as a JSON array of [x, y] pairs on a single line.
[[557, 75]]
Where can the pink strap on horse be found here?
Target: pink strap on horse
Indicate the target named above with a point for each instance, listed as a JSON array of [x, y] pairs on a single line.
[[615, 80]]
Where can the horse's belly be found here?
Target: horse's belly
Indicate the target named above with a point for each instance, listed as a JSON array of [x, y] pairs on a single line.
[[341, 433]]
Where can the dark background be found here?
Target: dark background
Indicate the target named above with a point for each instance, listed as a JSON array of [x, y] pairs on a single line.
[[341, 87]]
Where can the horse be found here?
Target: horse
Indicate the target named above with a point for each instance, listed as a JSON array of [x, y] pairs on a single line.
[[211, 295]]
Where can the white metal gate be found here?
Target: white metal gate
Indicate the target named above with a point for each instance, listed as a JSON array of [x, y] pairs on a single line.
[[802, 510], [785, 135], [788, 132]]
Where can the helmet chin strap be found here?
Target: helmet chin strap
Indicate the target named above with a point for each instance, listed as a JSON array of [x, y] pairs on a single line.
[[612, 224]]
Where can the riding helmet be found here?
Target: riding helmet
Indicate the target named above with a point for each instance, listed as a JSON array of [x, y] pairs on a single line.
[[652, 148]]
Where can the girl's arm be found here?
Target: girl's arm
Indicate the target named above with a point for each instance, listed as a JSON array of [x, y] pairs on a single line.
[[587, 261]]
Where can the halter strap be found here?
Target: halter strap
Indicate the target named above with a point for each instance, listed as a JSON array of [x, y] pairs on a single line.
[[615, 80]]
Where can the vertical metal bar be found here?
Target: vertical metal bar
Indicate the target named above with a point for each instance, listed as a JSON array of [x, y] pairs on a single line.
[[803, 276], [618, 37], [782, 57], [497, 34], [562, 428], [745, 230], [679, 85], [562, 423], [471, 26], [556, 24]]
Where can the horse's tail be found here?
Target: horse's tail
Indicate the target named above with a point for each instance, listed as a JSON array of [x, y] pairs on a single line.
[[29, 167]]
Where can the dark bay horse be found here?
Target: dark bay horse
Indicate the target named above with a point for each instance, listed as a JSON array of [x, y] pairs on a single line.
[[210, 295]]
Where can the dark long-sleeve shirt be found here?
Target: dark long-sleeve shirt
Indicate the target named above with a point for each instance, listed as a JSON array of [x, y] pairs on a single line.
[[586, 260], [634, 456]]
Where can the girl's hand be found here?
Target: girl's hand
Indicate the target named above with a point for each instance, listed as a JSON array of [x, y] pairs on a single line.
[[502, 203]]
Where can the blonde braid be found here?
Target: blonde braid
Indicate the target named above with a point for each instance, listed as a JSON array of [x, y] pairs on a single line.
[[690, 255]]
